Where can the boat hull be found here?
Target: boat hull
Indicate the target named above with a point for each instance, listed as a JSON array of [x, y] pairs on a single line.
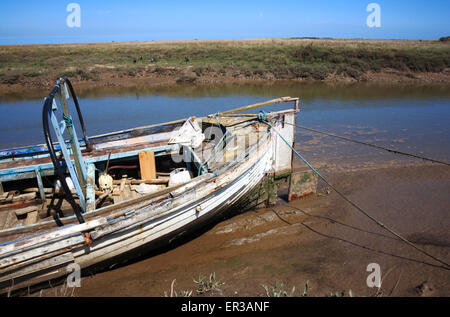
[[140, 231]]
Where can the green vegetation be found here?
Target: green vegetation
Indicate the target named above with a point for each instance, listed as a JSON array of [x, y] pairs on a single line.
[[278, 291], [174, 293], [266, 59], [275, 290], [207, 285]]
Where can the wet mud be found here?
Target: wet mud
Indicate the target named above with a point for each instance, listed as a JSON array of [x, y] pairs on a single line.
[[320, 240]]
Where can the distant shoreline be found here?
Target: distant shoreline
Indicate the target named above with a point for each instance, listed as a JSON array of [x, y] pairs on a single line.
[[37, 66]]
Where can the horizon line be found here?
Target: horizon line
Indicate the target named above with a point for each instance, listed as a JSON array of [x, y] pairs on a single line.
[[224, 40]]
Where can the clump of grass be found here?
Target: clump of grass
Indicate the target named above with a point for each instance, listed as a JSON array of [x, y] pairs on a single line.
[[199, 71], [32, 74], [186, 79], [350, 71], [81, 74], [207, 285], [279, 291], [174, 293], [10, 79], [94, 75]]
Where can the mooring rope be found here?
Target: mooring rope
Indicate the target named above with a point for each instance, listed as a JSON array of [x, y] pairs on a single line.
[[262, 117], [370, 144]]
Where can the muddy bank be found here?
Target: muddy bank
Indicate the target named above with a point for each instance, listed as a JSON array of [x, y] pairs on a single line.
[[319, 239], [38, 87]]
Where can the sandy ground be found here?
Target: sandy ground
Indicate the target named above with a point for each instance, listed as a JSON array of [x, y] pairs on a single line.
[[320, 240]]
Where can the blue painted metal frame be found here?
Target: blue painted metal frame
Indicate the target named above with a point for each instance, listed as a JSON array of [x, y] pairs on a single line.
[[59, 130], [48, 169]]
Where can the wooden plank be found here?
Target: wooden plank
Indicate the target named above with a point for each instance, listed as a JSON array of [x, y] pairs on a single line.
[[11, 220], [90, 190], [143, 181], [32, 217], [24, 197], [118, 195], [50, 237], [26, 210], [40, 183], [3, 196], [3, 219], [67, 244], [147, 165], [41, 266], [122, 184], [262, 104], [21, 204]]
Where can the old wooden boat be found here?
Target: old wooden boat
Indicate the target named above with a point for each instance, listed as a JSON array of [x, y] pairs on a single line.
[[94, 200]]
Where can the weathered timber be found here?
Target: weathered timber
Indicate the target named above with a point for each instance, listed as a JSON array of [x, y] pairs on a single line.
[[3, 196], [32, 217], [36, 190], [142, 181], [20, 204], [26, 210], [24, 197], [147, 165]]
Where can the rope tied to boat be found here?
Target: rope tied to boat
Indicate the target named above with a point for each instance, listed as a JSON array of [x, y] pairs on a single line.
[[67, 120], [263, 115]]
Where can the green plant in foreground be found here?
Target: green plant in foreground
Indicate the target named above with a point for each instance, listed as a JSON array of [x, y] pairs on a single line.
[[279, 291], [174, 293], [204, 285]]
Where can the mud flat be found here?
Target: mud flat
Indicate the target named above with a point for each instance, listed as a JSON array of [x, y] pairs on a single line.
[[319, 239]]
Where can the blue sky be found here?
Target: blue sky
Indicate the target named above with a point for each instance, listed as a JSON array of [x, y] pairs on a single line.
[[26, 22]]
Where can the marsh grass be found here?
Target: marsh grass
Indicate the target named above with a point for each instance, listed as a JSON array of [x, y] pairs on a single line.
[[205, 285], [278, 290], [174, 293], [281, 59], [209, 285]]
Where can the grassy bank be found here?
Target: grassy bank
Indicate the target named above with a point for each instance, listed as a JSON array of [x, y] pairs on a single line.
[[190, 61]]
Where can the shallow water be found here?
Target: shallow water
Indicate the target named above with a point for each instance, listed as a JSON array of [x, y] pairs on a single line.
[[410, 118]]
